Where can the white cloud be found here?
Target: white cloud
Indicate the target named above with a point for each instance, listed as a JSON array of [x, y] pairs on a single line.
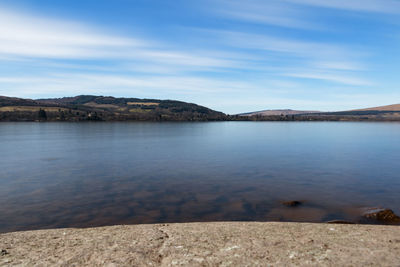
[[339, 65], [331, 77], [107, 84], [284, 45], [313, 56], [31, 36]]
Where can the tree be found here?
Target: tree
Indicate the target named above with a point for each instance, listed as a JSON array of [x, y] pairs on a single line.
[[42, 115], [62, 116]]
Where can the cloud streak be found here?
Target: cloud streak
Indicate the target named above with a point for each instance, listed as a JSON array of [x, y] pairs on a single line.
[[376, 6], [28, 36], [320, 61], [275, 13], [331, 77], [31, 36]]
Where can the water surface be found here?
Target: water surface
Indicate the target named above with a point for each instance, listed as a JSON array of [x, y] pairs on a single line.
[[92, 174]]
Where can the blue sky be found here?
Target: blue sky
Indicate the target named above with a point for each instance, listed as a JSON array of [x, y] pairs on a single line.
[[230, 55]]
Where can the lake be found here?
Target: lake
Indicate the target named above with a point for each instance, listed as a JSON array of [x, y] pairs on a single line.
[[92, 174]]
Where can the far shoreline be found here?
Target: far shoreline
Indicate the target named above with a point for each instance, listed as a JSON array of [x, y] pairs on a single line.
[[108, 108], [188, 121]]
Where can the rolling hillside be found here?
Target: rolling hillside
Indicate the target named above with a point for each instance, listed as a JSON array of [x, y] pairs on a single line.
[[395, 107], [277, 112], [383, 113], [100, 108]]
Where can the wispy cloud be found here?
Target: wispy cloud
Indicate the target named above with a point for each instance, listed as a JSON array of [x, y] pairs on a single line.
[[335, 77], [60, 83], [318, 60], [284, 45], [343, 64], [378, 6], [30, 36], [277, 13]]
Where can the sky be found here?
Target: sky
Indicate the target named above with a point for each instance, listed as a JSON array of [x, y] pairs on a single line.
[[230, 55]]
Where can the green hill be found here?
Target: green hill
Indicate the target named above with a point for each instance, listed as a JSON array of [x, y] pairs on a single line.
[[101, 108]]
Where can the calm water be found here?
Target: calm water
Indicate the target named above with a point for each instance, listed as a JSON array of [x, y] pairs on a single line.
[[91, 174]]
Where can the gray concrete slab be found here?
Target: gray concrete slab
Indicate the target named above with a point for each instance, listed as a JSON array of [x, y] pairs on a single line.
[[206, 244]]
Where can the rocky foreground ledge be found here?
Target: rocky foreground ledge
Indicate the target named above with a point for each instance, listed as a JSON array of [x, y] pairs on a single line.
[[206, 244]]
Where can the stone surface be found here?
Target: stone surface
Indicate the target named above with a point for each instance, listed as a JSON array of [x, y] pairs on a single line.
[[206, 244]]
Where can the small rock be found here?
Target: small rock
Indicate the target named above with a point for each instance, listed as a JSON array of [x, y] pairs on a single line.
[[293, 203], [4, 252], [382, 215]]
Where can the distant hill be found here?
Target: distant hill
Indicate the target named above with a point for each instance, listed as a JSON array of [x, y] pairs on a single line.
[[13, 101], [384, 113], [277, 112], [395, 107], [103, 108]]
